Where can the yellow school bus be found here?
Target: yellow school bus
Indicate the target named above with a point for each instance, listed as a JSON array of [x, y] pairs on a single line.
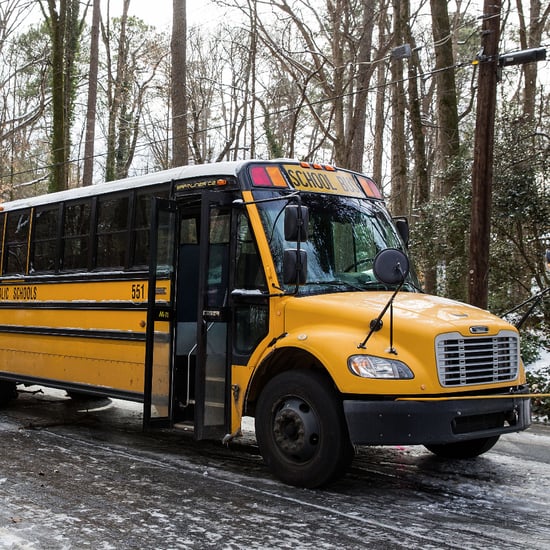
[[274, 289]]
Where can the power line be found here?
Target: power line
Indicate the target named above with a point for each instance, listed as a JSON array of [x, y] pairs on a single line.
[[279, 112]]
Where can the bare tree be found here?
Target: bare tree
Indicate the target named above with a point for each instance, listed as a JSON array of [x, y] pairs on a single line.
[[24, 82], [203, 83], [421, 190], [530, 36], [116, 86], [384, 29], [330, 62], [138, 57]]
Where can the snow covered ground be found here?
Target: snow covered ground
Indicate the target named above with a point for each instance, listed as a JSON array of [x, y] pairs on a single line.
[[542, 362], [73, 478]]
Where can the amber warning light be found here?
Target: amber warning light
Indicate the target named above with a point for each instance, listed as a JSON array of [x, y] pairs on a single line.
[[267, 176]]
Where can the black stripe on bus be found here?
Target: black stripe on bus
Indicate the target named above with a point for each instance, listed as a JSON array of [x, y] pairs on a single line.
[[75, 333], [72, 306], [98, 391], [64, 278]]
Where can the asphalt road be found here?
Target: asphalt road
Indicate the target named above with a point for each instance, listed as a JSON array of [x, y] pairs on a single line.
[[83, 475]]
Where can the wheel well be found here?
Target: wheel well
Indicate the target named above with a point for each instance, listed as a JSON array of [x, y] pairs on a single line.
[[279, 361]]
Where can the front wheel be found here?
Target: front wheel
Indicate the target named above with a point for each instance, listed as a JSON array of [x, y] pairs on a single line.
[[300, 429], [464, 449]]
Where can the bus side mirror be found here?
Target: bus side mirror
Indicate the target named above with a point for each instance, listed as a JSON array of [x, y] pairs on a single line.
[[402, 225], [296, 223], [294, 266], [391, 266]]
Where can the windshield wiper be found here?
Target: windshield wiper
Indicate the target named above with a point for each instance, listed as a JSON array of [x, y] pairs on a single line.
[[361, 286], [336, 283]]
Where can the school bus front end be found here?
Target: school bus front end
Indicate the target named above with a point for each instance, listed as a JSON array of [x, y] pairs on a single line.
[[448, 374], [357, 354]]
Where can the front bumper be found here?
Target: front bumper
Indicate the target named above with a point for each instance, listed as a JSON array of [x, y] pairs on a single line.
[[434, 422]]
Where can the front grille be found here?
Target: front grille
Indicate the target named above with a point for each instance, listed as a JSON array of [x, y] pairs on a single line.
[[465, 361]]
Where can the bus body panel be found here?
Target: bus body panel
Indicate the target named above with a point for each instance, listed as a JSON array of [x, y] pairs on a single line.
[[73, 333], [315, 323], [113, 365]]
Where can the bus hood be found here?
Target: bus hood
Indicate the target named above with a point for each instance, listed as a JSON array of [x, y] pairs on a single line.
[[411, 312]]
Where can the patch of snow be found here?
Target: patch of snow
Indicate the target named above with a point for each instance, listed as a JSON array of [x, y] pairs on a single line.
[[11, 541], [542, 362]]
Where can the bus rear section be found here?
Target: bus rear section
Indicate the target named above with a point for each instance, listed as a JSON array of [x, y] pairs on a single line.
[[78, 333], [74, 288]]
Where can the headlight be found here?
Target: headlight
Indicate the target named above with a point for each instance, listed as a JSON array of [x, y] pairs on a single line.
[[368, 366]]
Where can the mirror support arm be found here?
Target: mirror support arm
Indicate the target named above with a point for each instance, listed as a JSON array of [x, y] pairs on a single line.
[[376, 324]]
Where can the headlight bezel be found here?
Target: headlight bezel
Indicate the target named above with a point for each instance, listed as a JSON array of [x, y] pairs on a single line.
[[373, 367]]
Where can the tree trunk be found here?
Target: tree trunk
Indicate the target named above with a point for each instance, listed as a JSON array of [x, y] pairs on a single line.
[[65, 30], [57, 21], [116, 86], [447, 111], [530, 35], [380, 105], [364, 74], [88, 171], [178, 48], [446, 172], [422, 186]]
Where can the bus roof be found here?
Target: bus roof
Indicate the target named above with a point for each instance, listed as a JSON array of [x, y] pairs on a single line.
[[299, 180], [164, 176]]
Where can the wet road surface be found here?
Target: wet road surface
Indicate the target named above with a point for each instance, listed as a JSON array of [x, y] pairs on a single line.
[[77, 475]]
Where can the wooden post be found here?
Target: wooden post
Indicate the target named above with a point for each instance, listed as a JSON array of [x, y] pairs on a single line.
[[482, 172]]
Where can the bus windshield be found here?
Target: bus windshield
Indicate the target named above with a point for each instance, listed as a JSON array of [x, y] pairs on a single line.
[[345, 234]]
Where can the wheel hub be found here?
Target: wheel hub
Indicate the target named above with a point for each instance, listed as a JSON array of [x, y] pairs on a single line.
[[296, 430]]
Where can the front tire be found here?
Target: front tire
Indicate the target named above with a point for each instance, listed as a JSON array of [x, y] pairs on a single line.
[[300, 429], [464, 449]]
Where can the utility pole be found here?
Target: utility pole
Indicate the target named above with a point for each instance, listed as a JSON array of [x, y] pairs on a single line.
[[482, 172]]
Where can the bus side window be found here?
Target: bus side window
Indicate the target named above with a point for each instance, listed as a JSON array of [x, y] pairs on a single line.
[[16, 246], [112, 231], [76, 233], [142, 223], [44, 240]]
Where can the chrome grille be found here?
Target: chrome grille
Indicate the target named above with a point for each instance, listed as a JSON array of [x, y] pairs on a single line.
[[465, 361]]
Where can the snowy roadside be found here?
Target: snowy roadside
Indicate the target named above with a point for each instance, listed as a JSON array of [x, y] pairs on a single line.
[[538, 377], [542, 362]]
